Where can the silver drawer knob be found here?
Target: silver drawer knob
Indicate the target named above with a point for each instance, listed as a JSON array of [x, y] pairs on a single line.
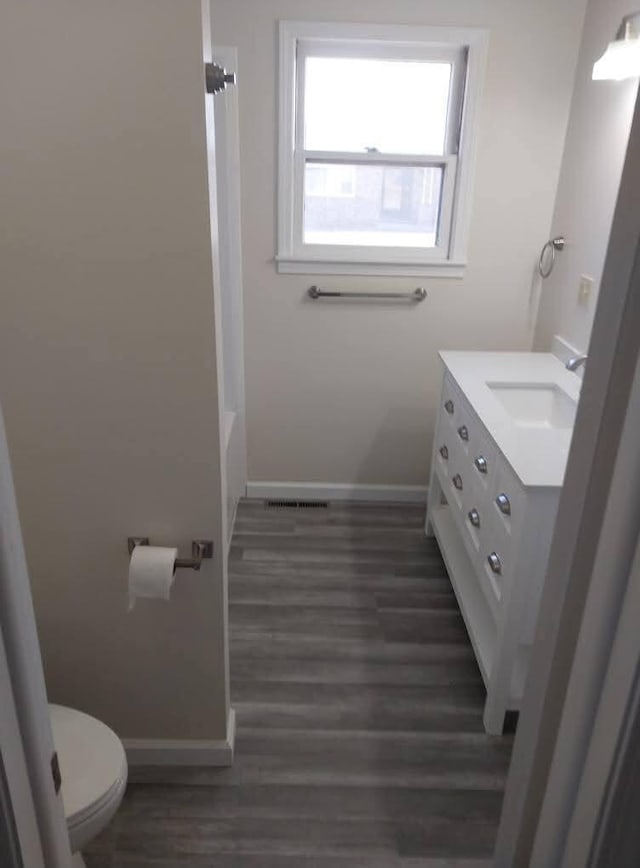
[[448, 406], [504, 505], [481, 464], [495, 563], [457, 481], [474, 517], [444, 452], [463, 431]]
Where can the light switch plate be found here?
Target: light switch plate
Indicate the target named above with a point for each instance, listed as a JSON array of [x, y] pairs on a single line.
[[585, 289]]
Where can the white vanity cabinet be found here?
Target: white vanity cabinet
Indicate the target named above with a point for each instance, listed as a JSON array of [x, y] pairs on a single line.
[[494, 528]]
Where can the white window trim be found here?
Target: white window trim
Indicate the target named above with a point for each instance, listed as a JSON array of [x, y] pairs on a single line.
[[291, 257]]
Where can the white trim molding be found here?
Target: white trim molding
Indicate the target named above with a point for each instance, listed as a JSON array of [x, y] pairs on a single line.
[[465, 48], [337, 491], [183, 752], [291, 265]]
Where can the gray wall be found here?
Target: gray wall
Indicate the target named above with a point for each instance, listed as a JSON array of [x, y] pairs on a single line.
[[599, 124], [108, 372], [348, 393]]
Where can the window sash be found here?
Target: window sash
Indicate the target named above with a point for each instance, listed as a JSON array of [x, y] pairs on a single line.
[[376, 158], [455, 56], [376, 49], [346, 252]]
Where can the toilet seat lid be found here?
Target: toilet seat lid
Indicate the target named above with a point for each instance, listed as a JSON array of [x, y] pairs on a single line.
[[92, 760]]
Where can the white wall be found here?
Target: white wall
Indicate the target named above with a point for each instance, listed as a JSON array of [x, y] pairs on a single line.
[[339, 393], [599, 124], [108, 371]]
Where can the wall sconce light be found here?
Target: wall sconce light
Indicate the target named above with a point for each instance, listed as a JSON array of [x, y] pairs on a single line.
[[622, 58]]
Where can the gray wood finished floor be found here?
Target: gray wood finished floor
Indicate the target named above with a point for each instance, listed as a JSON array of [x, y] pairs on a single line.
[[359, 711]]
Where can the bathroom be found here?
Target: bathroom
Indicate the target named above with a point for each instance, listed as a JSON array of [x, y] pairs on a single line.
[[161, 359]]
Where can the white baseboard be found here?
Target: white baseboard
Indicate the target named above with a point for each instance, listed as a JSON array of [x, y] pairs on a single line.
[[336, 491], [183, 752]]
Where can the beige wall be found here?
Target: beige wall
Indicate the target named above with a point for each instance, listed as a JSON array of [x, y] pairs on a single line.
[[345, 393], [108, 374], [597, 136]]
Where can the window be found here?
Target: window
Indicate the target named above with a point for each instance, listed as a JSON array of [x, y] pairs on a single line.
[[375, 154]]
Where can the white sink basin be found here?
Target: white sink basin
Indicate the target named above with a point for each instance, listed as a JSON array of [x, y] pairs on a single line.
[[536, 405]]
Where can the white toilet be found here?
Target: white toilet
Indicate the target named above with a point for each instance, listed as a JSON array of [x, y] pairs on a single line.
[[93, 766]]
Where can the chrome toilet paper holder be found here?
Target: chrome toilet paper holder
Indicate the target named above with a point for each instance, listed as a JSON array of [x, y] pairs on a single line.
[[201, 549]]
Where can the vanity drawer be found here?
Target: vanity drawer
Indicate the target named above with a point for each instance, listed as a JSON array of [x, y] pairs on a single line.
[[497, 570], [456, 414], [483, 458], [509, 502], [452, 478], [450, 400], [445, 447], [451, 467], [465, 425], [476, 529], [442, 455], [458, 481], [506, 506], [477, 532]]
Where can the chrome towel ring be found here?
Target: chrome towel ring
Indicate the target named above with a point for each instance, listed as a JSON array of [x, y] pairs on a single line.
[[546, 262]]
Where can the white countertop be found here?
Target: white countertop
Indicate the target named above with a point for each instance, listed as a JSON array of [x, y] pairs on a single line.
[[538, 456]]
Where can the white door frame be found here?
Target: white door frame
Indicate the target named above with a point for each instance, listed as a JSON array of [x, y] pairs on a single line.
[[604, 825], [596, 702], [229, 207], [226, 107], [582, 538], [19, 833], [24, 668]]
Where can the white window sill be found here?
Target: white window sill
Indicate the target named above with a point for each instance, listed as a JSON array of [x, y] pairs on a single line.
[[301, 265]]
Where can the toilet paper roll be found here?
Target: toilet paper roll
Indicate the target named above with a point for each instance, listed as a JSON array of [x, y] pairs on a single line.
[[151, 573]]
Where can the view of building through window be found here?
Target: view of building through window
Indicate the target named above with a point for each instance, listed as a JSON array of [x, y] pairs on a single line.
[[371, 205]]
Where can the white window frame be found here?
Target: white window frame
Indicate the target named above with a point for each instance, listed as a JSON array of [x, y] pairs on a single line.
[[466, 49]]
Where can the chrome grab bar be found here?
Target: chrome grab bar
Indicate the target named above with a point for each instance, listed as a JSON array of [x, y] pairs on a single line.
[[418, 294]]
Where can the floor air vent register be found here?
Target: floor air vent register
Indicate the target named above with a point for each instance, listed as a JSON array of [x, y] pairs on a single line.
[[296, 504]]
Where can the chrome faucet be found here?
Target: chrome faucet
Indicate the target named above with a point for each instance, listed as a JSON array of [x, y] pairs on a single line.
[[576, 362]]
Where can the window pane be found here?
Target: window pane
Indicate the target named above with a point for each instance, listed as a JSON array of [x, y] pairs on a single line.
[[377, 206], [354, 104]]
